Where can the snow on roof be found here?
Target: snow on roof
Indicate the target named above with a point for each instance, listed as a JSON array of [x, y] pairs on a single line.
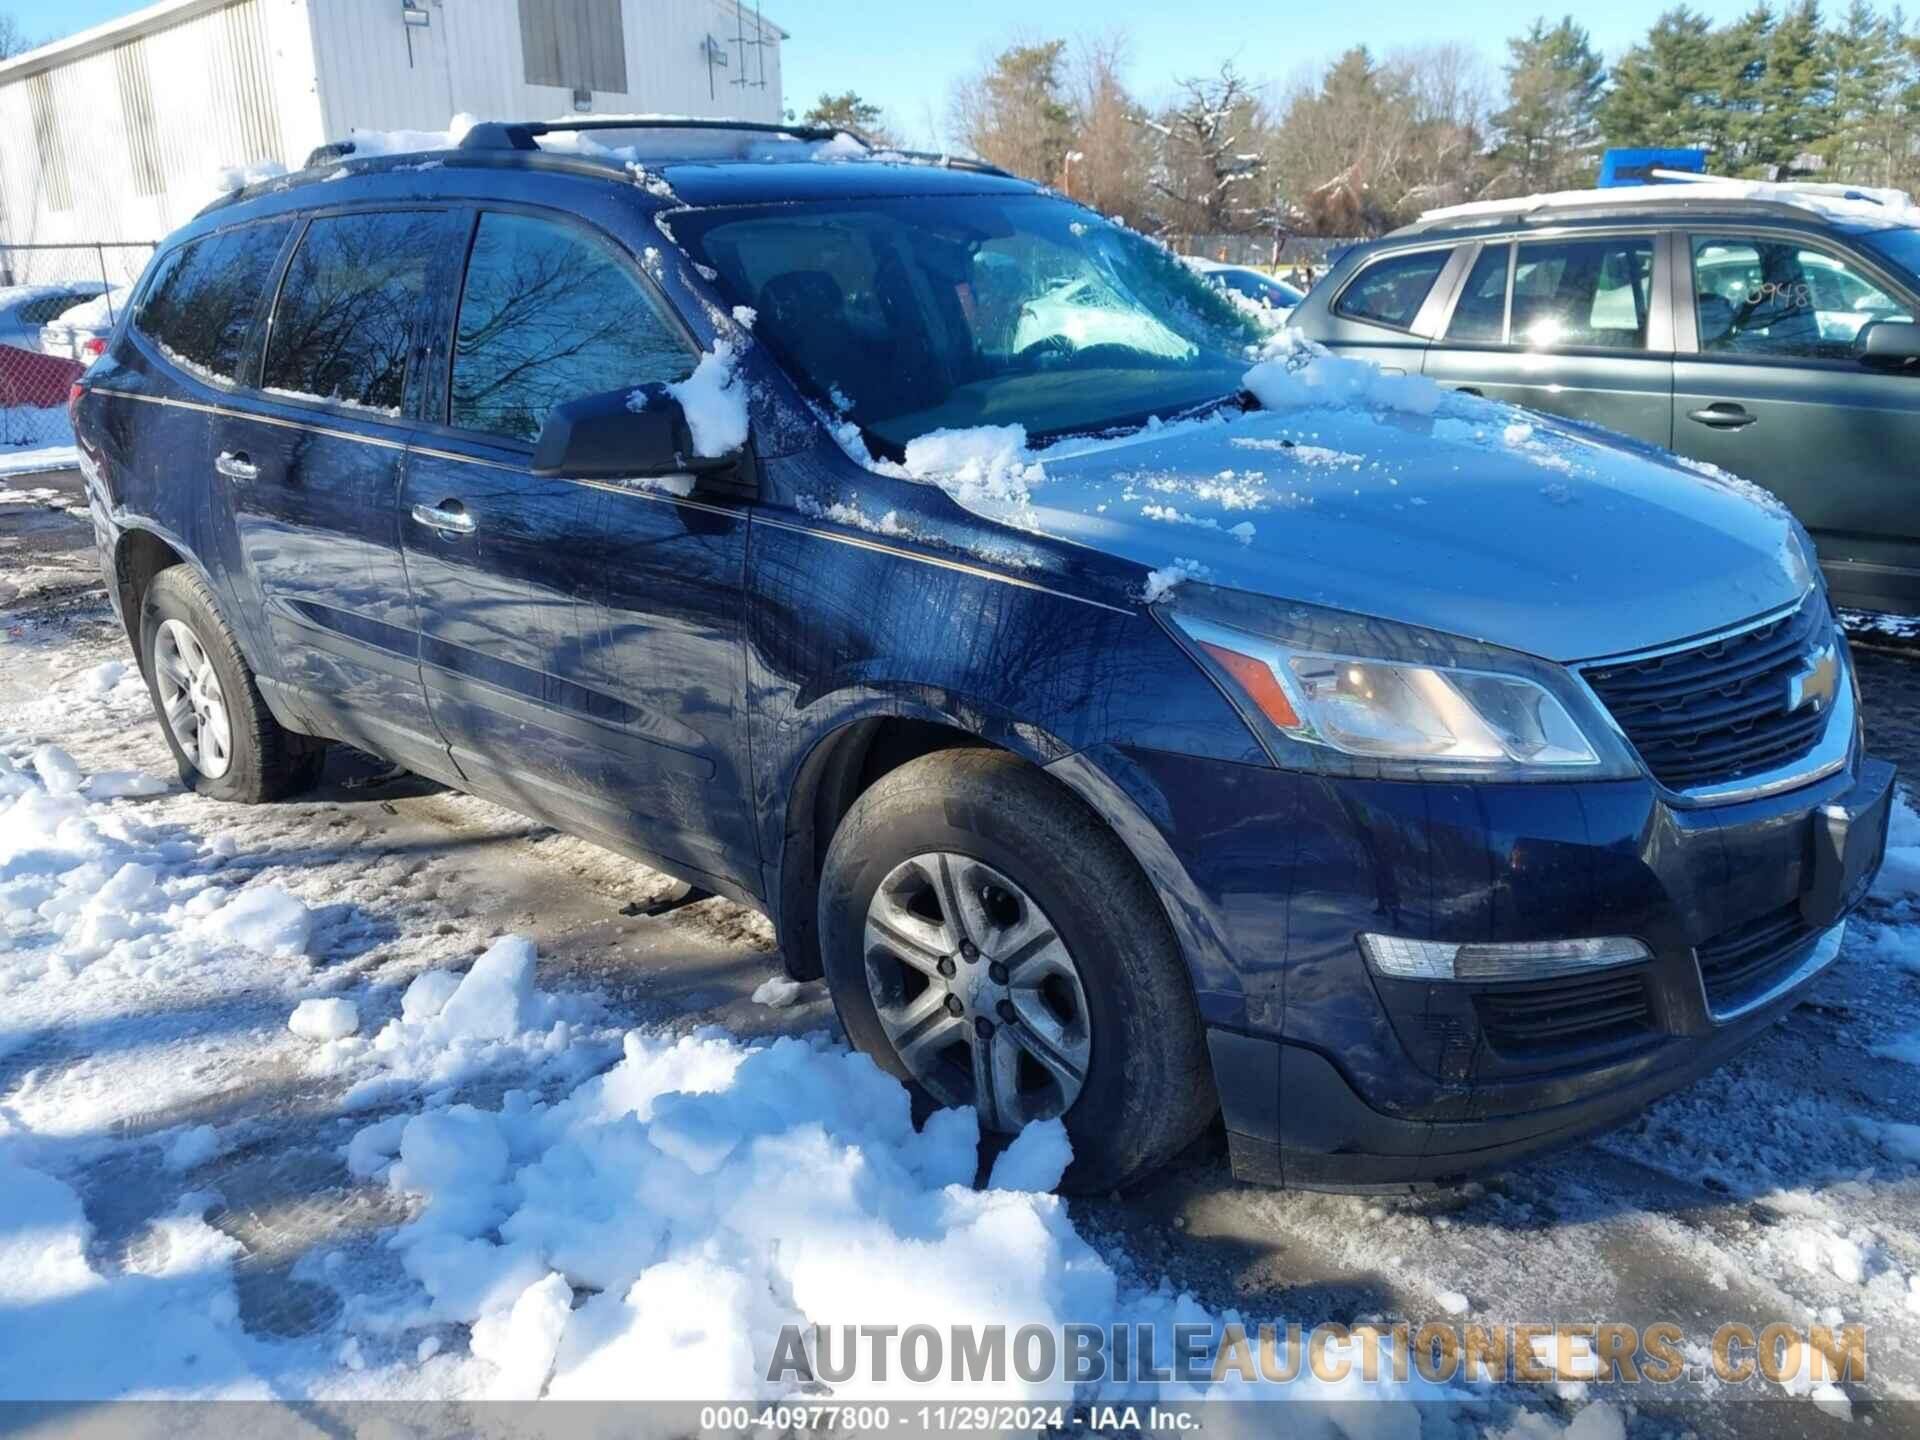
[[1855, 204]]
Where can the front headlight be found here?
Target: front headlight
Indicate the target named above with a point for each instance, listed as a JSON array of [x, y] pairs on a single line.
[[1354, 694]]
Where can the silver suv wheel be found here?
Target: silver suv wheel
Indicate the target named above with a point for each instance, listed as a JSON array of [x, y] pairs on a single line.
[[976, 991], [191, 700]]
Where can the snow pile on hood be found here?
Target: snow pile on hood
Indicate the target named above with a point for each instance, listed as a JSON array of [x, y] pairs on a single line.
[[988, 469], [715, 399], [705, 1193], [1297, 374]]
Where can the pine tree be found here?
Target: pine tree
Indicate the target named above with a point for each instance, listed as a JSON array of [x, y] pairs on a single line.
[[1548, 135], [1659, 86], [1017, 114], [1864, 59], [1794, 94]]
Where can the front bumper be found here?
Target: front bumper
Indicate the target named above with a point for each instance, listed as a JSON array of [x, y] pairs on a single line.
[[1331, 1077]]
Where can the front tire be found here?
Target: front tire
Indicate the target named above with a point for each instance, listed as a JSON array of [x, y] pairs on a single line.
[[990, 942], [224, 739]]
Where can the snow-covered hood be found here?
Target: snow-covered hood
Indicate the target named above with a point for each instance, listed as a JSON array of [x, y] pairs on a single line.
[[1474, 519]]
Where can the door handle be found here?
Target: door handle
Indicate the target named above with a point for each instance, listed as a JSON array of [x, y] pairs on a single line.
[[449, 516], [1722, 415], [236, 466]]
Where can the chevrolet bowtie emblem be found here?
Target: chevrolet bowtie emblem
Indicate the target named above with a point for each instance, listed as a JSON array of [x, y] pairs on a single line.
[[1816, 683]]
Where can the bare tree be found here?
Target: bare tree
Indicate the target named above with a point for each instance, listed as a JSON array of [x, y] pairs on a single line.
[[1213, 149], [1110, 165], [13, 40]]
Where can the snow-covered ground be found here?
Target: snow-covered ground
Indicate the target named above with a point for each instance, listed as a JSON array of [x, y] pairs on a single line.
[[388, 1093]]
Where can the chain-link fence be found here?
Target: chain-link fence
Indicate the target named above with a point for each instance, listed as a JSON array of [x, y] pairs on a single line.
[[57, 303]]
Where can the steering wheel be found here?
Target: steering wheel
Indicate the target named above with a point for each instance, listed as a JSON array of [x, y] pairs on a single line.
[[1053, 348]]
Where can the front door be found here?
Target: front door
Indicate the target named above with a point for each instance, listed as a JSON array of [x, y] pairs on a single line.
[[311, 473], [1570, 326], [1771, 392], [580, 642]]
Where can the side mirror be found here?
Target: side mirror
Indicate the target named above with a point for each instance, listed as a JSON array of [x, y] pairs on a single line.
[[1888, 345], [639, 433]]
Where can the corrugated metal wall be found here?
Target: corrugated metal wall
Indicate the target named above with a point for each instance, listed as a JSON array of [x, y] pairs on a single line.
[[124, 143], [376, 74]]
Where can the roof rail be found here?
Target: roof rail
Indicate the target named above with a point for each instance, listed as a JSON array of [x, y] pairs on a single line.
[[522, 134]]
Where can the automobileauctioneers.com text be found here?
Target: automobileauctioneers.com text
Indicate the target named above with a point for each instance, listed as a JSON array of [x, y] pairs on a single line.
[[1208, 1354]]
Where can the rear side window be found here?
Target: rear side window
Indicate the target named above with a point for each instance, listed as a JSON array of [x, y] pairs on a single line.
[[1583, 292], [1480, 315], [1391, 291], [344, 323], [550, 315], [199, 307]]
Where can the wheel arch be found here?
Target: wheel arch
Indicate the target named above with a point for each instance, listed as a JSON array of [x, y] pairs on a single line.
[[139, 554], [846, 757]]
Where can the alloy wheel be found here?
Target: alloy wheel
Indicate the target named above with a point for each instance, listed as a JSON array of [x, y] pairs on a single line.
[[977, 992], [191, 700]]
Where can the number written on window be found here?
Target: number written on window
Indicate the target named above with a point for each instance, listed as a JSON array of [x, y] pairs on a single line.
[[1775, 297], [549, 315]]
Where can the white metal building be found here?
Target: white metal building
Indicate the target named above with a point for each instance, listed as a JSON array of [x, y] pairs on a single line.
[[118, 132]]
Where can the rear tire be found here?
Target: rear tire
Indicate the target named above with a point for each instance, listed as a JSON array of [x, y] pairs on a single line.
[[969, 879], [224, 739]]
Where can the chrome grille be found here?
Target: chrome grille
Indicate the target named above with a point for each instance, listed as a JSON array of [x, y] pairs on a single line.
[[1723, 709]]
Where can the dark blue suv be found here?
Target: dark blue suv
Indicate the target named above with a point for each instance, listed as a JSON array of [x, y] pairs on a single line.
[[1130, 732]]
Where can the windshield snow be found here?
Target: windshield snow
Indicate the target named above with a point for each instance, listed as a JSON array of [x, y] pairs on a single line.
[[916, 315]]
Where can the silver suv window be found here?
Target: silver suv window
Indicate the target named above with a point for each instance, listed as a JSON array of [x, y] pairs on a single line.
[[1755, 296]]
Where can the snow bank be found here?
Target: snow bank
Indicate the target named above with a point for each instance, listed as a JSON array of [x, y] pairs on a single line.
[[264, 918], [648, 1235], [166, 1328], [454, 1028]]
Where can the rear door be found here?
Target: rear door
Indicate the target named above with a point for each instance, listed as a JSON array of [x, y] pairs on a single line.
[[310, 469], [1572, 325], [1769, 389], [581, 640]]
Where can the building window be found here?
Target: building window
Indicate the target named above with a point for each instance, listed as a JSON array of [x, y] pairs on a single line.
[[574, 44]]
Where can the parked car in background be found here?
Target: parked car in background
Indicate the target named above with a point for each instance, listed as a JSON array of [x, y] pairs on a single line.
[[24, 309], [1275, 295], [1767, 330], [1413, 797], [80, 331]]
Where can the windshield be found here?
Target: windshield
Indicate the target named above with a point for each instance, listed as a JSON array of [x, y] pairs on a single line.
[[1901, 246], [923, 314]]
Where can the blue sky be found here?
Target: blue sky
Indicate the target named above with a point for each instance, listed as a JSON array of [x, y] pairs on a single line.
[[905, 54]]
